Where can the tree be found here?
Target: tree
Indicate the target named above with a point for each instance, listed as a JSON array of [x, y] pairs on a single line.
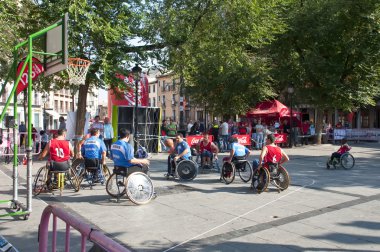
[[330, 53], [216, 45]]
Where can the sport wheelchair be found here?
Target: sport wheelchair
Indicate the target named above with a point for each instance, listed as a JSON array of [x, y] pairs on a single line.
[[346, 160], [87, 170], [274, 173], [47, 180], [242, 166], [184, 169], [131, 181]]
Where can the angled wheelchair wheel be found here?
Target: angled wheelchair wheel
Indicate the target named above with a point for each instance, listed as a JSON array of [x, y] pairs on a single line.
[[228, 172], [245, 171], [73, 179], [282, 179], [40, 181], [115, 185], [186, 170], [106, 172], [260, 180], [347, 161], [139, 188]]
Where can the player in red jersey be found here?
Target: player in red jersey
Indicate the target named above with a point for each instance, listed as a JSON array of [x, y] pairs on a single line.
[[207, 149], [271, 154], [60, 152]]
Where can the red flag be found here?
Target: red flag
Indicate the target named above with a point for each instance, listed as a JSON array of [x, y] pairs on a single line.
[[37, 69]]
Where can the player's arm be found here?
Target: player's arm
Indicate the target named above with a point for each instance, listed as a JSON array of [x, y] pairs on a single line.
[[284, 157], [44, 152], [71, 150], [214, 148], [262, 155]]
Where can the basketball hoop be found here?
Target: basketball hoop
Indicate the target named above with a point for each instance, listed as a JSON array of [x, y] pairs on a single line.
[[77, 69]]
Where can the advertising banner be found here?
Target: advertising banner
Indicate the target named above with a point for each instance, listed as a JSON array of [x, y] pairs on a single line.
[[37, 69]]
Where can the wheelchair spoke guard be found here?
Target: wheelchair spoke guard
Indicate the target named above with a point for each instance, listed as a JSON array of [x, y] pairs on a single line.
[[139, 188], [186, 170]]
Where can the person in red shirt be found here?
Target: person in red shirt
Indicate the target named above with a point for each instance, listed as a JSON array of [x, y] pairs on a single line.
[[271, 154], [336, 155], [60, 152], [207, 149]]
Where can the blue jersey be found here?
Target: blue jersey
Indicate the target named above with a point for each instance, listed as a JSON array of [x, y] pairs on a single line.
[[181, 147], [93, 148], [239, 150], [122, 153]]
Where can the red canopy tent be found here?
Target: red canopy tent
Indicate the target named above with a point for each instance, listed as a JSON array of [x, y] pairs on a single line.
[[268, 110]]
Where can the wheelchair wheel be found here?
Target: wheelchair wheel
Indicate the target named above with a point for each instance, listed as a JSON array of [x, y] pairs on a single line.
[[139, 188], [115, 185], [260, 179], [347, 161], [245, 171], [186, 170], [40, 181], [73, 179], [281, 180], [106, 172], [228, 172]]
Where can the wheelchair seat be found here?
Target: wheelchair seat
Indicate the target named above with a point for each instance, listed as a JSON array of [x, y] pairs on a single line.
[[91, 163]]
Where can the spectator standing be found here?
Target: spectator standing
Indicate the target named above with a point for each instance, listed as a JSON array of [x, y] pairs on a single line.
[[189, 125], [44, 139], [172, 128], [195, 129], [108, 135], [98, 125], [259, 134], [224, 134], [22, 131], [62, 123]]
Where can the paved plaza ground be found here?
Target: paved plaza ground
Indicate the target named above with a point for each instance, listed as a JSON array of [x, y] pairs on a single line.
[[322, 210]]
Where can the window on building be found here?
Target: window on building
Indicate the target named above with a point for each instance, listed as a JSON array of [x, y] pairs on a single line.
[[154, 88], [365, 120], [67, 106], [187, 115], [150, 104], [159, 83], [200, 115], [61, 106], [56, 105], [174, 115], [163, 99], [164, 114], [159, 98], [154, 102], [36, 120]]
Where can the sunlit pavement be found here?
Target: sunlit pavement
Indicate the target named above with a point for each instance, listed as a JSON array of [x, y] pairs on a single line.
[[322, 210]]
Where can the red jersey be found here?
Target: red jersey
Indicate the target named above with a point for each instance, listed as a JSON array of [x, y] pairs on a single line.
[[273, 155], [343, 149], [203, 147], [59, 150]]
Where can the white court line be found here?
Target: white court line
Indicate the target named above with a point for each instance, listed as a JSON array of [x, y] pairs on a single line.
[[233, 219], [20, 186]]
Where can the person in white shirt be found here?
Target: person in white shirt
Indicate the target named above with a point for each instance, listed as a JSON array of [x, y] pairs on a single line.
[[108, 135], [98, 125], [189, 125], [224, 135]]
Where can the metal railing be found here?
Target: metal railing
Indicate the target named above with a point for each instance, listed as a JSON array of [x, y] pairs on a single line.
[[87, 232]]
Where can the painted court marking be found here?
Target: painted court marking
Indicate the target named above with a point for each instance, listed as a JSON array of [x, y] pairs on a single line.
[[240, 216]]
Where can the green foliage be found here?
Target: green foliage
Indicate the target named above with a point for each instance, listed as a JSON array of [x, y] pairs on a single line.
[[330, 52], [215, 46]]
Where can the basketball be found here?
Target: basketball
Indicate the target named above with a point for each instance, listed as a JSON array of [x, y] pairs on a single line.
[[169, 143]]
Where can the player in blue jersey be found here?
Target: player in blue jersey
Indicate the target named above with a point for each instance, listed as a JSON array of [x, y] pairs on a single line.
[[122, 155], [238, 151], [94, 152]]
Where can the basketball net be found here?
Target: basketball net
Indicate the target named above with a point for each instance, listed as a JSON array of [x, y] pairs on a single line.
[[77, 69]]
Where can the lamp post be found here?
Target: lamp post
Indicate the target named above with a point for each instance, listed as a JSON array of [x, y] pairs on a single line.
[[290, 92], [136, 71], [45, 98]]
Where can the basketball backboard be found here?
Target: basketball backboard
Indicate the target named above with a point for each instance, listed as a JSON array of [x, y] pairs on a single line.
[[56, 42]]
